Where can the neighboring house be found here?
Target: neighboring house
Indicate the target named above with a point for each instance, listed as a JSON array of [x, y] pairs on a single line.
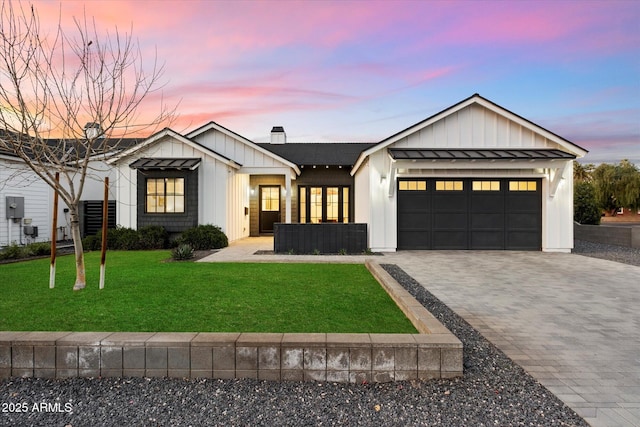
[[623, 215], [31, 218], [474, 176], [24, 198]]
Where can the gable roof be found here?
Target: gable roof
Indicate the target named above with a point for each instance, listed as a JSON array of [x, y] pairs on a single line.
[[473, 99], [213, 125], [319, 153], [167, 132], [62, 148]]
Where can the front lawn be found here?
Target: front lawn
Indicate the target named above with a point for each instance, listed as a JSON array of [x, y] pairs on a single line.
[[143, 293]]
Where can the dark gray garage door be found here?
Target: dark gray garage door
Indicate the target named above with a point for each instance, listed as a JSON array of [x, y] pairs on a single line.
[[483, 213]]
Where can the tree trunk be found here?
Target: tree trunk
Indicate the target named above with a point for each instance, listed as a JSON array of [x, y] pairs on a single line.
[[81, 280]]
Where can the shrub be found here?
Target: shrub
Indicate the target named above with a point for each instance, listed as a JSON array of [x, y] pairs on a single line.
[[585, 208], [204, 237], [182, 252], [153, 237], [38, 249], [92, 243], [121, 238], [12, 252]]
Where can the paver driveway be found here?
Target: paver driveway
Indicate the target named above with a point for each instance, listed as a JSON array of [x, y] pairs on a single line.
[[571, 321]]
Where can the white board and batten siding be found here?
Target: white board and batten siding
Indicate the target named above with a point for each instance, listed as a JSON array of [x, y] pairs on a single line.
[[16, 180], [213, 177], [472, 127], [247, 154]]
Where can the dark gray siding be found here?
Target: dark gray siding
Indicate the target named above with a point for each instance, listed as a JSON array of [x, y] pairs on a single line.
[[173, 222]]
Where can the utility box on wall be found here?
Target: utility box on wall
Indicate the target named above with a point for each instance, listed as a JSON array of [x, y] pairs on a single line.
[[15, 207]]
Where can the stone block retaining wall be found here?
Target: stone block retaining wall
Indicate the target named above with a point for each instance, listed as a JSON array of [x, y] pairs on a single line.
[[433, 353], [608, 234], [297, 357]]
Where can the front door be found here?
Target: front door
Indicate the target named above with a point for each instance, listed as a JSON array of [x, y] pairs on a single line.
[[269, 207]]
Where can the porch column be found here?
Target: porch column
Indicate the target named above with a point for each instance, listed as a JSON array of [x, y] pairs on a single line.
[[287, 205]]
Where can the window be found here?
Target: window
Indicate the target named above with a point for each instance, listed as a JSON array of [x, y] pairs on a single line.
[[332, 204], [523, 186], [449, 186], [164, 195], [303, 206], [323, 204], [270, 199], [345, 204], [486, 185], [316, 205], [412, 185]]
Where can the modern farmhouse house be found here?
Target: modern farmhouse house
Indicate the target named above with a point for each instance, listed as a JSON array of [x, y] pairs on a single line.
[[473, 176]]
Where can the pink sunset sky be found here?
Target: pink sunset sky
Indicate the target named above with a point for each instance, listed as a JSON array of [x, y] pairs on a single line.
[[364, 70]]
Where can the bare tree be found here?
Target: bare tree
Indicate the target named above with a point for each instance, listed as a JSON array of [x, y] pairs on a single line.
[[69, 100]]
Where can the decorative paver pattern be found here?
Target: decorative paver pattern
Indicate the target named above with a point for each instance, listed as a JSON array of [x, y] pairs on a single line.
[[572, 322]]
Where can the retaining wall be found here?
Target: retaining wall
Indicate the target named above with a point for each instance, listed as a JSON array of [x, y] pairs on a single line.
[[628, 236], [433, 353]]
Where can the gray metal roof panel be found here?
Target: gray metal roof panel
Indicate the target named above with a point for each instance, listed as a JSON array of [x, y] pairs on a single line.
[[474, 154], [165, 163]]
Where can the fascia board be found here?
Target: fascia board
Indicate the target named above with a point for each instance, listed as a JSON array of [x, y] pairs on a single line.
[[11, 158]]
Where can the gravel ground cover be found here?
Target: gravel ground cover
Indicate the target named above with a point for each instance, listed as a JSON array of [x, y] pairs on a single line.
[[609, 252], [493, 392]]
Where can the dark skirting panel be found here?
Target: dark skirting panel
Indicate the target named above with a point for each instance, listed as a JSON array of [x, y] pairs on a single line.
[[327, 238]]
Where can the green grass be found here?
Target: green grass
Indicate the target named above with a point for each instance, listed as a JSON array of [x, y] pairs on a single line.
[[144, 293]]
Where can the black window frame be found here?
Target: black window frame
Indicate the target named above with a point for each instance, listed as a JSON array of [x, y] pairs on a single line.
[[307, 189], [165, 178]]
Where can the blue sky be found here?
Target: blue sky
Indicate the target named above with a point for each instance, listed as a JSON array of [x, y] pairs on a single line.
[[363, 70]]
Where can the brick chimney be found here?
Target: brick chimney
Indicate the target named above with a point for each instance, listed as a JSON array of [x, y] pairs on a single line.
[[278, 136]]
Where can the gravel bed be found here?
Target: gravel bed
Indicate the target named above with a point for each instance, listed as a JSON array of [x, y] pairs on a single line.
[[493, 392], [609, 252]]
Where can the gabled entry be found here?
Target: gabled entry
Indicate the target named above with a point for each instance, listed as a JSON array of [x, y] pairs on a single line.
[[269, 207]]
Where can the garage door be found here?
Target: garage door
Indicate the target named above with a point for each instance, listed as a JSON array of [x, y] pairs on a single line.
[[494, 213]]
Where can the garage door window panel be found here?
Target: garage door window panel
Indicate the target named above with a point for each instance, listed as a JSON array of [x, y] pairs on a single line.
[[449, 185]]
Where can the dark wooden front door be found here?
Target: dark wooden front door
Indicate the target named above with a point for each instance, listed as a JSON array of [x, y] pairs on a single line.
[[269, 207]]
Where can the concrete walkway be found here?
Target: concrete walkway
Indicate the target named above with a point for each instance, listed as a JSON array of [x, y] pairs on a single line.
[[244, 251], [572, 322]]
